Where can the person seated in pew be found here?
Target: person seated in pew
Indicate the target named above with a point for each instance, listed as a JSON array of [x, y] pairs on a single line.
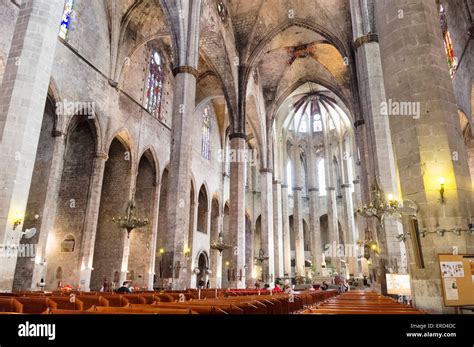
[[324, 286], [125, 288], [105, 286], [277, 288]]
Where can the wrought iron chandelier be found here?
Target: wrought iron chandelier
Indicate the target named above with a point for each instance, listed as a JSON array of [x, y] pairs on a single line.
[[379, 206], [261, 257], [220, 245], [130, 221]]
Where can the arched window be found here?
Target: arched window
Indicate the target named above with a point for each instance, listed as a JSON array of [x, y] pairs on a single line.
[[289, 178], [317, 123], [68, 244], [448, 44], [154, 85], [66, 19], [303, 125], [322, 178], [206, 134]]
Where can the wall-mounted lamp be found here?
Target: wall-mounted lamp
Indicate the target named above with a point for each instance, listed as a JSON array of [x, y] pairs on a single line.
[[187, 252], [441, 189], [162, 251], [17, 219]]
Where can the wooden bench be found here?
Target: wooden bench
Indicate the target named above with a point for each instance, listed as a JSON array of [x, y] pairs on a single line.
[[64, 303], [128, 310], [10, 305], [201, 309], [90, 300], [361, 303], [36, 305], [116, 300]]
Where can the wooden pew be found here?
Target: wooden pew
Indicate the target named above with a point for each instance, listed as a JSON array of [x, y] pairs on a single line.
[[128, 310], [36, 305], [90, 300], [64, 303], [201, 309], [361, 303], [116, 300], [10, 305]]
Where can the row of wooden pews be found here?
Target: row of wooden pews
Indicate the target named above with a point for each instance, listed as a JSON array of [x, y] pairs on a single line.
[[220, 302], [361, 302]]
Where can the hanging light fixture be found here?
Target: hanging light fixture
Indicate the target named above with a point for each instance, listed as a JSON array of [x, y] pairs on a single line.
[[130, 221], [379, 206], [220, 245]]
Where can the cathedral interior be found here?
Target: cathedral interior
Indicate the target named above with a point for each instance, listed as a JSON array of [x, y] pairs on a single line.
[[224, 144]]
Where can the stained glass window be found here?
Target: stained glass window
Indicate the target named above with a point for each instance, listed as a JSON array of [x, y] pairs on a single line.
[[448, 44], [66, 19], [206, 134], [154, 85]]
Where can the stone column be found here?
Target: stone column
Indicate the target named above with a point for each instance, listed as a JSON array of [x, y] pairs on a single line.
[[333, 225], [427, 137], [150, 275], [215, 255], [347, 198], [49, 211], [372, 97], [90, 221], [298, 211], [24, 90], [286, 230], [238, 143], [186, 17], [266, 179], [316, 247], [278, 229], [180, 177], [191, 282]]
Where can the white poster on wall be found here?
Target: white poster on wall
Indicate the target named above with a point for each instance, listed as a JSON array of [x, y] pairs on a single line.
[[452, 269], [451, 289]]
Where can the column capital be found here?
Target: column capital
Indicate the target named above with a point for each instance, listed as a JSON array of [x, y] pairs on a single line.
[[370, 37], [345, 185], [285, 186], [266, 170], [313, 190], [237, 136], [297, 189], [330, 188], [276, 182], [186, 69]]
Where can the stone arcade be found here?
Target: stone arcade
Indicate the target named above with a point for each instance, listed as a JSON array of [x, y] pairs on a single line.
[[267, 122]]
